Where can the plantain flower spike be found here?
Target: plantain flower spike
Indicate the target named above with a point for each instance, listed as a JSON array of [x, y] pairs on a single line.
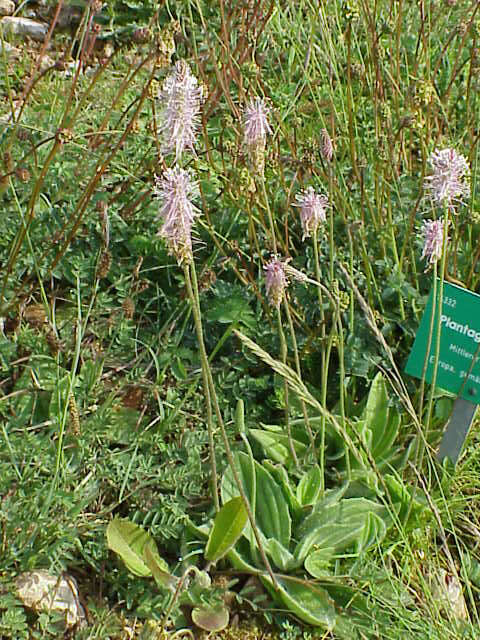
[[313, 208], [432, 231], [256, 128], [175, 190], [449, 180], [275, 281], [181, 98]]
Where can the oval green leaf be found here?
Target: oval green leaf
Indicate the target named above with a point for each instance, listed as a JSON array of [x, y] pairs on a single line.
[[307, 601], [211, 618], [128, 540], [227, 529]]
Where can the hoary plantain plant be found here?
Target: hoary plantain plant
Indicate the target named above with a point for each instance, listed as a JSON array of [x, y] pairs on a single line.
[[301, 533], [309, 536], [139, 552]]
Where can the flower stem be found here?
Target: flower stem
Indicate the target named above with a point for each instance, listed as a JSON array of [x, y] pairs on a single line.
[[190, 274], [324, 359], [192, 288], [438, 308], [299, 371]]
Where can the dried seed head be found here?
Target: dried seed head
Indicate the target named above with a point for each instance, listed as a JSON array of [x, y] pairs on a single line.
[[64, 136], [141, 35], [53, 341], [105, 222], [326, 146], [128, 307], [181, 97], [74, 415], [207, 280], [104, 264], [449, 181], [22, 174], [8, 161], [142, 285], [23, 134], [175, 190], [312, 210], [432, 232], [138, 266]]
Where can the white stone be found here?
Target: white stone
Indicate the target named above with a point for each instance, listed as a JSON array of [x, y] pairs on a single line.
[[10, 52], [6, 7], [40, 591], [24, 27]]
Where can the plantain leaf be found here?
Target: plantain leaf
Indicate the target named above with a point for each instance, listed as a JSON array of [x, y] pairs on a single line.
[[309, 486], [409, 505], [158, 566], [374, 530], [382, 446], [375, 413], [282, 558], [307, 601], [275, 444], [267, 500], [351, 523], [317, 562], [245, 467], [272, 512], [211, 618], [280, 475], [227, 528], [128, 540]]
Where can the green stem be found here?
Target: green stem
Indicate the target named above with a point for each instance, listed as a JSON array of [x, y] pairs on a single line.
[[438, 309], [270, 217], [204, 359], [283, 354], [324, 359], [299, 371], [214, 400]]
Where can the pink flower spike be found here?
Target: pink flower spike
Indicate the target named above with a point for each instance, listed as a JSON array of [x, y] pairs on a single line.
[[181, 98], [450, 178], [312, 210], [255, 120], [432, 231], [174, 189], [275, 281]]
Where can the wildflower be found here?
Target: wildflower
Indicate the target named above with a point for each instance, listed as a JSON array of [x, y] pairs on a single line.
[[256, 128], [312, 210], [181, 97], [326, 146], [449, 180], [255, 121], [432, 231], [175, 189], [275, 281]]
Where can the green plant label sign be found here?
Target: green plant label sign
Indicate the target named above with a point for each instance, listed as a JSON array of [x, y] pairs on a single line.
[[458, 363]]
